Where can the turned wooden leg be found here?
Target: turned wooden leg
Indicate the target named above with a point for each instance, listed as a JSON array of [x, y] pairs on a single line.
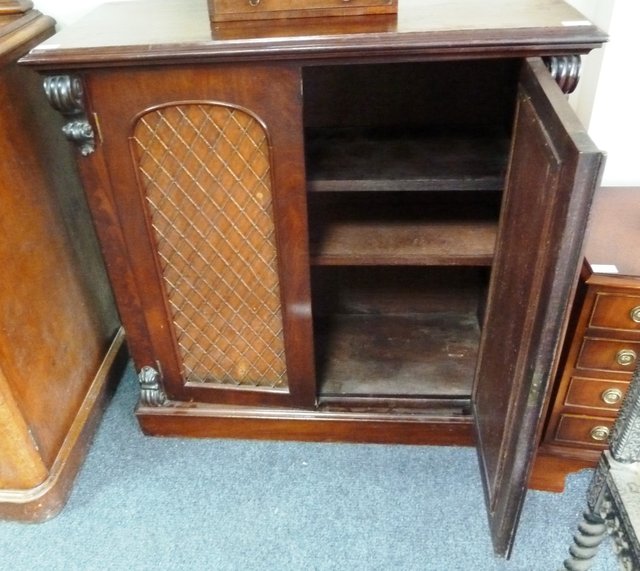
[[586, 541]]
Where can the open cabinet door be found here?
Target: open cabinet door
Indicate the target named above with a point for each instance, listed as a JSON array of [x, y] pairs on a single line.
[[553, 172]]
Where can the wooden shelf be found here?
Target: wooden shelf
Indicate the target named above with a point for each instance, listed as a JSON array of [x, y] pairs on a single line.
[[437, 243], [393, 229], [428, 355], [400, 160]]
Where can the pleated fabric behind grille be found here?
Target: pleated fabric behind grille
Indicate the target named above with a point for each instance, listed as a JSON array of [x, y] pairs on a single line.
[[205, 172]]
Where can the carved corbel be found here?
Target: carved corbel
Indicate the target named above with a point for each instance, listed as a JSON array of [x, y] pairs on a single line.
[[565, 70], [151, 391], [66, 95]]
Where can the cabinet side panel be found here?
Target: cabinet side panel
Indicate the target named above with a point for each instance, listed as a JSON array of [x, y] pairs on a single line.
[[204, 169], [56, 313]]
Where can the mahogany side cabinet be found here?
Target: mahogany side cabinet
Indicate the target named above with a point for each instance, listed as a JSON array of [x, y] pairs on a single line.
[[61, 347], [601, 349], [361, 228]]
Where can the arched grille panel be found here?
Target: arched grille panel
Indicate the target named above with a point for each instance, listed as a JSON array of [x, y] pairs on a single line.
[[205, 173]]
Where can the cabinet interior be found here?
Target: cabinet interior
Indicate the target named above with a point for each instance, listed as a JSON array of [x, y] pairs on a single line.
[[405, 167]]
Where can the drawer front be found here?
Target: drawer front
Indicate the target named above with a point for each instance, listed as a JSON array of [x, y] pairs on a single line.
[[584, 430], [615, 311], [608, 355], [595, 393]]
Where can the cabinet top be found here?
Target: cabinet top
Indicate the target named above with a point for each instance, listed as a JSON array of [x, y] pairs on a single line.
[[614, 232], [145, 31]]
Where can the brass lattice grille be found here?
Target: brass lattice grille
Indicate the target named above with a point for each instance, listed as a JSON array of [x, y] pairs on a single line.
[[204, 169]]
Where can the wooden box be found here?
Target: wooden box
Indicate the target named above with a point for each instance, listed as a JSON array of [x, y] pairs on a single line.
[[233, 10]]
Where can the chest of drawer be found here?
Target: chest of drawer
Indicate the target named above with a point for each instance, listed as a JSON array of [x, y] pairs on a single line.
[[608, 355], [595, 393], [616, 311]]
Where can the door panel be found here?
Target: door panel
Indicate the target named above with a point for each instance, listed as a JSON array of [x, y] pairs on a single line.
[[208, 178], [553, 172]]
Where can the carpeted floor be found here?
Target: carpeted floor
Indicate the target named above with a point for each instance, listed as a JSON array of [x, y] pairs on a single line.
[[171, 504]]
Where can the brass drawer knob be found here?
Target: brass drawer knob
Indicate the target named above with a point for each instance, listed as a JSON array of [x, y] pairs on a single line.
[[600, 433], [626, 357], [635, 314], [254, 3], [611, 396]]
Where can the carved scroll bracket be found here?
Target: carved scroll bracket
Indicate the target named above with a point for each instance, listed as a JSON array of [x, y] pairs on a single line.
[[565, 70], [66, 95], [151, 391]]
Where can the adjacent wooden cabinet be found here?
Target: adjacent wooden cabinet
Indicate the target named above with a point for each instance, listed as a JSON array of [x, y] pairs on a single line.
[[363, 229], [60, 345], [602, 345]]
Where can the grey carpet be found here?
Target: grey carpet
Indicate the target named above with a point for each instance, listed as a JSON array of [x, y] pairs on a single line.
[[149, 503]]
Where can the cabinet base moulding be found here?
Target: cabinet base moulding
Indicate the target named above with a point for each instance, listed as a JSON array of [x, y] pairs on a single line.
[[47, 499], [209, 421]]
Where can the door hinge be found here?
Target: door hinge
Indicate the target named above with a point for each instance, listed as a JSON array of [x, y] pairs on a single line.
[[96, 123]]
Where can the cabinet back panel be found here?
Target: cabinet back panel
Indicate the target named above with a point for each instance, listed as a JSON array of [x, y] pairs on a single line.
[[465, 94], [403, 332], [380, 290]]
